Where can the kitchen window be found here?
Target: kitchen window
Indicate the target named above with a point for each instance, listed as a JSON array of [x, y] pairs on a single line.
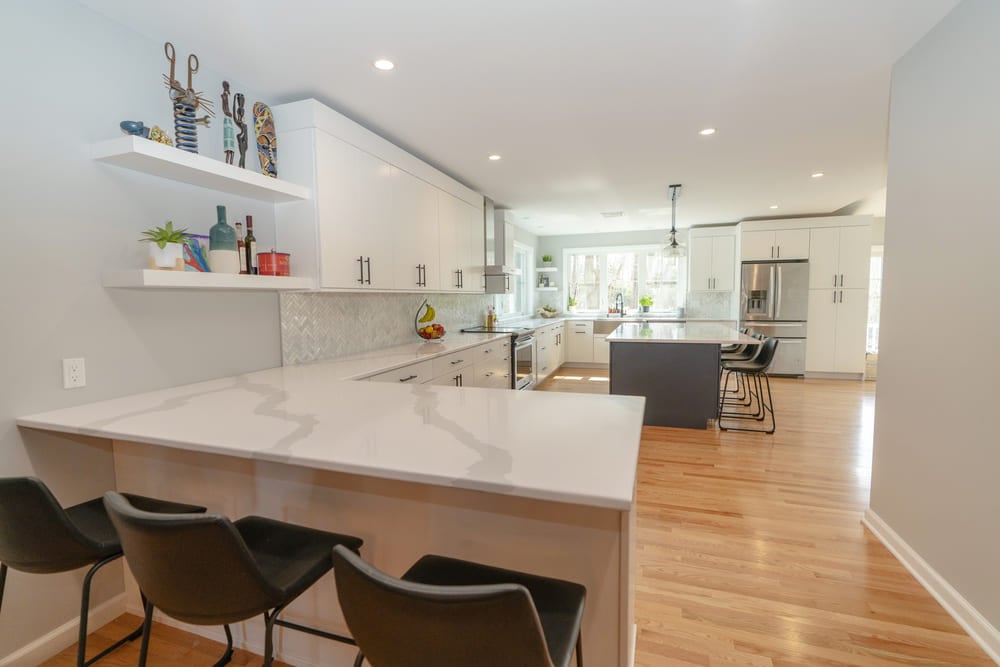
[[595, 276], [874, 299]]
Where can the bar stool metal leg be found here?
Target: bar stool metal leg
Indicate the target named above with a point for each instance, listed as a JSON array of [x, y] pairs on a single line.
[[147, 626], [81, 647], [3, 582]]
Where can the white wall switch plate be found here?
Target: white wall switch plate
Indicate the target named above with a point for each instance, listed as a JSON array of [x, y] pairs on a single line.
[[74, 373]]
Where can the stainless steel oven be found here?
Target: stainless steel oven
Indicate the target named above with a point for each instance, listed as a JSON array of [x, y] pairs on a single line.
[[523, 361]]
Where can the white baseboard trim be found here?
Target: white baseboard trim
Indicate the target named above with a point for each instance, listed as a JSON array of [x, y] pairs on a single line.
[[980, 629], [65, 635]]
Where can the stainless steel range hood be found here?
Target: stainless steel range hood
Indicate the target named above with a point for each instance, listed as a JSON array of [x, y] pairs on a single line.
[[499, 250]]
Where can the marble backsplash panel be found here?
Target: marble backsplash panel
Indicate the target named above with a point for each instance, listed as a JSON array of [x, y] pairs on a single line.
[[709, 305], [326, 325]]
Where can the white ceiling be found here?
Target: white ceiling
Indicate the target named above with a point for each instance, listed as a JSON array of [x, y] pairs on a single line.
[[595, 105]]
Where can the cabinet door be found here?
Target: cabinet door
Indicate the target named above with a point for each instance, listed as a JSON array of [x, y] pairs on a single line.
[[791, 244], [561, 333], [758, 245], [852, 329], [700, 262], [579, 342], [821, 344], [824, 258], [355, 214], [543, 357], [855, 257], [723, 261], [416, 242], [473, 234], [453, 379], [602, 350], [452, 248]]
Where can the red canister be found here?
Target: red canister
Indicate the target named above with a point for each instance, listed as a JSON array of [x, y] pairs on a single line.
[[273, 263]]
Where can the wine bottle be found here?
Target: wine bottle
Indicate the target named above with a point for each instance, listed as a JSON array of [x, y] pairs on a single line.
[[222, 254], [251, 248], [241, 248]]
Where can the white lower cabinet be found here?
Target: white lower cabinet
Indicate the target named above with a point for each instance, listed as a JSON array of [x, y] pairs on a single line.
[[418, 373], [602, 349], [838, 322], [579, 341], [454, 379], [491, 368]]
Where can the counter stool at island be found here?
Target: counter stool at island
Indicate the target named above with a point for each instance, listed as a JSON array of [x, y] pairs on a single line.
[[208, 570], [37, 535], [760, 401], [459, 612]]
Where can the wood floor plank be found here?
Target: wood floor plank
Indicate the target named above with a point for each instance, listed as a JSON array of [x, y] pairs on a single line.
[[750, 549]]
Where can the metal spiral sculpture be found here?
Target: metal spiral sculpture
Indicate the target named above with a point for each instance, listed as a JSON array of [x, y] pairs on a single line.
[[186, 101]]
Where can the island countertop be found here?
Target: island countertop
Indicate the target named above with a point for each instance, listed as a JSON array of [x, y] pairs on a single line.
[[494, 440], [704, 333]]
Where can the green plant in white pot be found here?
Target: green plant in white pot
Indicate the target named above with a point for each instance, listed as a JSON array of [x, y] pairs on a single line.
[[646, 301], [166, 246], [546, 260]]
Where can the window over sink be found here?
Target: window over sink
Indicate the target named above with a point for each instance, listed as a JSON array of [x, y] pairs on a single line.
[[595, 276]]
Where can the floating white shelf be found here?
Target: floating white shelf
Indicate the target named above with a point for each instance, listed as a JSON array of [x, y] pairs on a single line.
[[547, 269], [149, 279], [150, 157], [550, 288]]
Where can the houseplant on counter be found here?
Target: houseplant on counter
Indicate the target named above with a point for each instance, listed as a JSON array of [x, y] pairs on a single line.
[[571, 304], [166, 247], [646, 301]]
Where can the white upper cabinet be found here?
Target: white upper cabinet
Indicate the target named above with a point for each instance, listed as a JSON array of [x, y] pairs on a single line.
[[712, 263], [379, 217], [777, 244], [839, 257]]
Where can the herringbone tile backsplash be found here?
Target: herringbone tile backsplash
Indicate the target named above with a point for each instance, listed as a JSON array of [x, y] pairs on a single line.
[[326, 325]]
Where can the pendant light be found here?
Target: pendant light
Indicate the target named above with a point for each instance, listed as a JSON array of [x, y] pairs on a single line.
[[672, 247]]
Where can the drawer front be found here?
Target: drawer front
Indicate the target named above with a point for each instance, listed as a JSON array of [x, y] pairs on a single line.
[[413, 374], [580, 327], [455, 361], [491, 376], [497, 349]]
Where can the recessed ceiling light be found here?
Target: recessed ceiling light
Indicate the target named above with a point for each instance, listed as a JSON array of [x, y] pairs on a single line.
[[818, 174], [774, 206], [384, 65], [494, 157], [707, 131]]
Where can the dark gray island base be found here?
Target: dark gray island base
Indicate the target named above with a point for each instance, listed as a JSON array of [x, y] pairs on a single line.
[[675, 366]]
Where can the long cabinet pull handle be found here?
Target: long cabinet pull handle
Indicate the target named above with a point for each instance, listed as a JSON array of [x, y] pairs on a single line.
[[368, 263], [835, 280], [835, 296], [407, 379], [841, 279], [361, 268], [457, 361], [779, 252], [842, 296]]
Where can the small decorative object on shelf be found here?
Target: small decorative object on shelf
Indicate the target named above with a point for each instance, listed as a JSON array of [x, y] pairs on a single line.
[[241, 248], [166, 247], [424, 325], [159, 136], [546, 260], [267, 142], [646, 301], [228, 129], [222, 254], [239, 109], [196, 253], [274, 263], [137, 129], [251, 248], [187, 102]]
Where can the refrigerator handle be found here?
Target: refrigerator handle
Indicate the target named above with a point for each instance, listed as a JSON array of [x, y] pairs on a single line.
[[777, 294], [774, 294]]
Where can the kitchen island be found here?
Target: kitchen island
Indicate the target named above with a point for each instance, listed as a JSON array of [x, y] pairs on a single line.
[[480, 474], [675, 366]]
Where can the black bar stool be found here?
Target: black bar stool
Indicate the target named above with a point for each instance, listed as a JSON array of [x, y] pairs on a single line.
[[760, 401], [37, 535], [208, 570], [460, 613]]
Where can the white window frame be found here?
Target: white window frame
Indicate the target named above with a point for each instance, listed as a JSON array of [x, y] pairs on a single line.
[[522, 282], [603, 252]]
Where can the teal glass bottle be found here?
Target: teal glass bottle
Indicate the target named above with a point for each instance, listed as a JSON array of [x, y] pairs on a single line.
[[222, 254]]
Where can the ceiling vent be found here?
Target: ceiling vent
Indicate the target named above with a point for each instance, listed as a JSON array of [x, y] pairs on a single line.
[[612, 214]]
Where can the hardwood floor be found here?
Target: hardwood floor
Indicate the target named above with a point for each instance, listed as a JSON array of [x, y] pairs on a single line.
[[750, 549]]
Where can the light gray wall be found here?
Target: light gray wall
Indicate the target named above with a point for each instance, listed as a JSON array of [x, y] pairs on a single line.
[[554, 245], [70, 77], [936, 457]]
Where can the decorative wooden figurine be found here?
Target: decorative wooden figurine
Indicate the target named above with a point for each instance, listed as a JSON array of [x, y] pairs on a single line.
[[267, 142], [228, 130], [186, 101], [239, 108]]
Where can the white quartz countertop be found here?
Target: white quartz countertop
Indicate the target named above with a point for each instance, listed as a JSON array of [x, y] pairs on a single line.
[[516, 443], [690, 332]]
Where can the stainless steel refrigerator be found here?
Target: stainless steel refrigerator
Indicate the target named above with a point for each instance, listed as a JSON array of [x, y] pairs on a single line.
[[774, 301]]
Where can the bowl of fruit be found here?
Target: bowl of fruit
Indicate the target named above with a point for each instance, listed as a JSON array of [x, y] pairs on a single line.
[[548, 311], [424, 324]]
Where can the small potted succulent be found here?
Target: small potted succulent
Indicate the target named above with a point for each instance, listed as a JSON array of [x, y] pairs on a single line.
[[166, 246], [646, 301], [546, 260], [571, 304]]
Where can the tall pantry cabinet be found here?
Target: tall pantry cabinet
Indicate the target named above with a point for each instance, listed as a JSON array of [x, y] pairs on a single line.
[[380, 219]]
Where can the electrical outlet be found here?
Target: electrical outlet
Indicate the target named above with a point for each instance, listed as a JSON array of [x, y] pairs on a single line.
[[74, 373]]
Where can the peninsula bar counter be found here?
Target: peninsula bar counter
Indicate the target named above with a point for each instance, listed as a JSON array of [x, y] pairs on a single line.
[[675, 366], [481, 474]]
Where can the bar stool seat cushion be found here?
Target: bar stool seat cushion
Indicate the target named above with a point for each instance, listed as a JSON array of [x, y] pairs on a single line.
[[559, 603]]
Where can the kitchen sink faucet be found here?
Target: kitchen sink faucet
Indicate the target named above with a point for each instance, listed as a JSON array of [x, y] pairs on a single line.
[[620, 304]]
